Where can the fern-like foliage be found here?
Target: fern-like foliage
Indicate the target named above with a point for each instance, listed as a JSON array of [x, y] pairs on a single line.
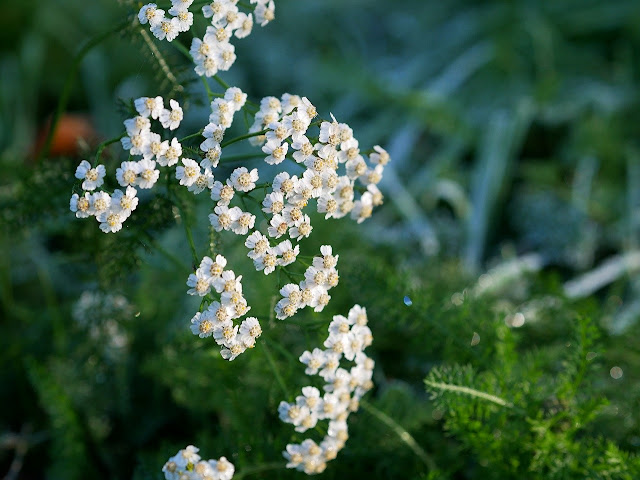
[[69, 452], [514, 427]]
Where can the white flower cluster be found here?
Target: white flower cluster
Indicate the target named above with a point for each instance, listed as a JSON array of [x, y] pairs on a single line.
[[109, 210], [187, 465], [284, 201], [287, 121], [343, 389], [217, 319], [313, 291], [214, 51], [164, 27], [112, 210]]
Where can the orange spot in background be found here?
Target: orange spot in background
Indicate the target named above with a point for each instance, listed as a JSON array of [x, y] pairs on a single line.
[[70, 131]]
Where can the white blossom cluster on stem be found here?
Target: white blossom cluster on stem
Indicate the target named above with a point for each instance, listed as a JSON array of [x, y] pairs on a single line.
[[310, 165], [167, 27], [187, 465], [217, 320], [214, 52], [284, 200], [313, 291], [342, 390], [333, 164], [336, 180], [111, 210]]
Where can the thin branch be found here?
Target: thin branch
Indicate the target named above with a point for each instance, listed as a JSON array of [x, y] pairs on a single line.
[[105, 144], [468, 391], [405, 436], [274, 368], [68, 84], [161, 61], [243, 137]]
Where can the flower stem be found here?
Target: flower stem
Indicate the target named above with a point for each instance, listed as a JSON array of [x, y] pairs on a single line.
[[68, 84], [160, 249], [182, 49], [221, 82], [243, 137], [192, 245], [193, 135], [210, 94], [105, 144], [236, 158], [187, 230], [274, 368], [405, 436]]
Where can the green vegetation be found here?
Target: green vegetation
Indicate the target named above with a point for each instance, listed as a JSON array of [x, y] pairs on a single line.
[[501, 277]]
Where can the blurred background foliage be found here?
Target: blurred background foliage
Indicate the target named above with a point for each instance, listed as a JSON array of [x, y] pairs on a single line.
[[505, 260]]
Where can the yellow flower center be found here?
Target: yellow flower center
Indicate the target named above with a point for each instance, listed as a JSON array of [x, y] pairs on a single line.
[[83, 204]]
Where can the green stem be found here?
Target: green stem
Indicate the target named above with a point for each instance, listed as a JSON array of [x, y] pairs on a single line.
[[247, 196], [405, 436], [182, 49], [157, 55], [68, 84], [274, 368], [160, 249], [236, 158], [203, 302], [192, 245], [293, 160], [105, 144], [243, 137], [210, 94], [221, 82], [244, 203], [187, 229], [193, 135], [290, 275]]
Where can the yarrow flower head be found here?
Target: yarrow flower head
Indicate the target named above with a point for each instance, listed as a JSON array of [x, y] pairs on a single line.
[[92, 177], [343, 389], [282, 127], [213, 52], [187, 464], [217, 320], [336, 178]]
